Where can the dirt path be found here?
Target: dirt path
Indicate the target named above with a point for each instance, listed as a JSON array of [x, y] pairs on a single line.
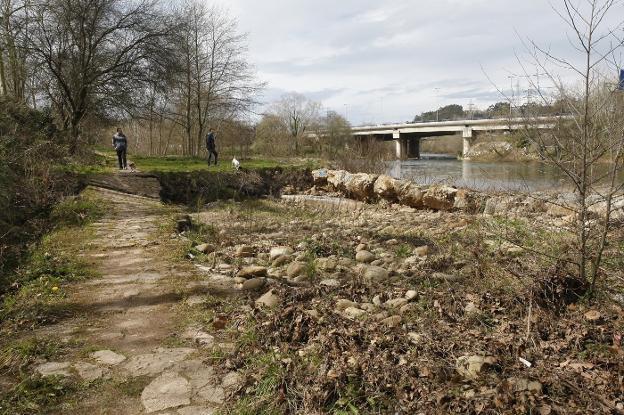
[[130, 318]]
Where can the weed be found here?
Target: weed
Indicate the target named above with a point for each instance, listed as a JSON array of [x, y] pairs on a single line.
[[35, 394], [403, 251]]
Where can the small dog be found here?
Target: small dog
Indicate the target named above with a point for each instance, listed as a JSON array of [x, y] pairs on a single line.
[[235, 164], [132, 166]]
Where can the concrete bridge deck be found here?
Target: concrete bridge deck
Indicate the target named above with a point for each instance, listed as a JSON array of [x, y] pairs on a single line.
[[407, 135]]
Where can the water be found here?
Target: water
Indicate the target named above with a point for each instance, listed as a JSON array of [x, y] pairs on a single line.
[[512, 176]]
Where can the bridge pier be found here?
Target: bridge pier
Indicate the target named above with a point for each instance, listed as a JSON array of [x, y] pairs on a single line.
[[406, 147], [468, 137]]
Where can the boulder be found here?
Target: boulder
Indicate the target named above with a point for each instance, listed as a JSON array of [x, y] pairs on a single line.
[[440, 197], [411, 195], [360, 186], [468, 201], [337, 179], [320, 177], [252, 271], [386, 187]]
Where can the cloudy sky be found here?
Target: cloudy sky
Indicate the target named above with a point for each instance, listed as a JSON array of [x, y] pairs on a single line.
[[387, 60]]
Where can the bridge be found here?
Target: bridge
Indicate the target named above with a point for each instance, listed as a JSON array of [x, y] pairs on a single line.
[[407, 136]]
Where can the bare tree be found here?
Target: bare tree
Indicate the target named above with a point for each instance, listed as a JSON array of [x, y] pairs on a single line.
[[96, 55], [298, 114], [588, 145], [13, 73]]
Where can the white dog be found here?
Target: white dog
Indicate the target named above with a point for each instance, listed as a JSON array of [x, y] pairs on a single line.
[[235, 164]]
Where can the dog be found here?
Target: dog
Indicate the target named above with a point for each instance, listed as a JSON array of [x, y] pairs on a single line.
[[132, 166], [235, 164]]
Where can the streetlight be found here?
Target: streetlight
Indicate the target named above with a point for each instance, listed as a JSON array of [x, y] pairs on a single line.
[[437, 91]]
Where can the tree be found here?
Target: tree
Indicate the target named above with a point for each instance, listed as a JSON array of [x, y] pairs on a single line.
[[448, 112], [593, 133], [96, 54], [298, 114], [272, 136], [337, 135]]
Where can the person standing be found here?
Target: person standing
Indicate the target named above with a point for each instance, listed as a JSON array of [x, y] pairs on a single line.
[[120, 143], [211, 146]]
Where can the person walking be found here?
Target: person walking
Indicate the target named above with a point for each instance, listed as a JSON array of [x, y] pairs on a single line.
[[120, 143], [211, 146]]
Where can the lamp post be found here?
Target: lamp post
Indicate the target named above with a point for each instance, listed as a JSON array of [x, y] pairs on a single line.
[[437, 91]]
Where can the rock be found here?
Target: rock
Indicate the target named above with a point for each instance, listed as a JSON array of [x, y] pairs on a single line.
[[524, 385], [319, 177], [392, 242], [281, 260], [396, 302], [88, 371], [489, 151], [330, 282], [392, 321], [415, 337], [471, 366], [411, 295], [360, 185], [54, 369], [254, 284], [169, 390], [378, 262], [368, 307], [158, 361], [364, 257], [375, 273], [468, 201], [279, 251], [232, 380], [326, 264], [593, 315], [421, 250], [296, 269], [196, 334], [377, 300], [245, 251], [205, 248], [107, 357], [361, 247], [268, 299], [410, 195], [343, 304], [386, 187], [196, 410], [440, 197], [252, 271], [353, 312]]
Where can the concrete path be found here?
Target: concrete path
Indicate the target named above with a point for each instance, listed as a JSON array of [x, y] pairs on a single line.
[[129, 316]]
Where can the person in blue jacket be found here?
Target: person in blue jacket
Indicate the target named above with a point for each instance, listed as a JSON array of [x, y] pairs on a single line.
[[211, 146]]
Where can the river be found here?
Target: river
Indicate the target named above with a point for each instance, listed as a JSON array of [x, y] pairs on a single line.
[[497, 176]]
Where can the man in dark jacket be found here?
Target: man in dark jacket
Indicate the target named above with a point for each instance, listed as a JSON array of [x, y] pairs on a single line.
[[120, 143], [211, 146]]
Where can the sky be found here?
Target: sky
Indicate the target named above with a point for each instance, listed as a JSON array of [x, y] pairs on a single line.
[[380, 61]]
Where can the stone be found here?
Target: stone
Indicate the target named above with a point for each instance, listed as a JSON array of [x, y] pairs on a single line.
[[168, 390], [361, 247], [281, 260], [212, 394], [205, 248], [468, 201], [375, 273], [593, 315], [88, 371], [440, 197], [156, 362], [343, 304], [252, 271], [392, 321], [245, 251], [524, 385], [296, 269], [353, 312], [411, 295], [360, 185], [378, 262], [319, 177], [421, 250], [377, 300], [364, 256], [279, 251], [396, 302], [368, 307], [330, 282], [410, 195], [196, 334], [268, 299], [414, 337], [254, 284], [196, 410], [386, 187], [471, 308], [471, 366], [54, 369], [326, 264], [107, 357], [232, 380]]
